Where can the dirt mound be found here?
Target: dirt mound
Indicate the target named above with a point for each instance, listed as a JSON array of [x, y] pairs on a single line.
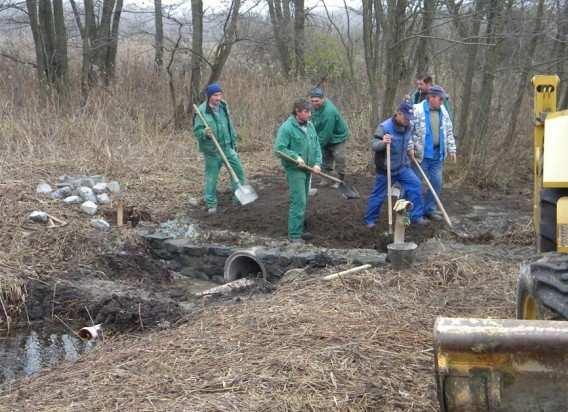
[[334, 221]]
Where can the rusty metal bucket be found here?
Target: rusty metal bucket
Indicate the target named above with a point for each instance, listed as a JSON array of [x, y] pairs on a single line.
[[501, 365]]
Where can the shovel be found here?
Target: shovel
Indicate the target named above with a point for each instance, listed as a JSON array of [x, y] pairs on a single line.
[[436, 198], [245, 194], [347, 191]]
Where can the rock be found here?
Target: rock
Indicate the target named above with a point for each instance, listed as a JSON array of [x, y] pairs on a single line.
[[61, 193], [43, 188], [39, 217], [71, 200], [87, 194], [87, 182], [89, 207], [103, 199], [114, 187], [193, 202], [100, 188], [100, 224]]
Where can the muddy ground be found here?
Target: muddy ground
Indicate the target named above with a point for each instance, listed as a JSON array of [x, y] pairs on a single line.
[[336, 222]]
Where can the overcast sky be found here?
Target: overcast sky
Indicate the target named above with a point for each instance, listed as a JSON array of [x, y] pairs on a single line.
[[246, 3]]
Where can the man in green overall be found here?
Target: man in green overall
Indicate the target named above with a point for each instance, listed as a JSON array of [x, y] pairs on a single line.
[[216, 113], [332, 132], [297, 138]]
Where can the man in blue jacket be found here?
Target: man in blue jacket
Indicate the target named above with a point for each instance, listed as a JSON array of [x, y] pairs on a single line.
[[396, 132]]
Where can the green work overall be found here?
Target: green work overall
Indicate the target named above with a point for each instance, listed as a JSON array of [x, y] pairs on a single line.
[[296, 141], [222, 126]]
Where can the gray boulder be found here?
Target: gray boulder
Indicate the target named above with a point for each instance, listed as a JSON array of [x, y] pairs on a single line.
[[43, 188], [87, 194], [89, 207], [38, 216], [100, 224], [72, 200], [103, 199]]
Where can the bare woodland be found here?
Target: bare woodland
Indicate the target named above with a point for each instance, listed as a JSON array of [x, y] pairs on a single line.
[[366, 54]]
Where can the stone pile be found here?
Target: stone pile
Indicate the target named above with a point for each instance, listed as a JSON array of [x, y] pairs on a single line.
[[87, 191]]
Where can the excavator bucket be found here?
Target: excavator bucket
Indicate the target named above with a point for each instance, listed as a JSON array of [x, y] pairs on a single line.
[[501, 365]]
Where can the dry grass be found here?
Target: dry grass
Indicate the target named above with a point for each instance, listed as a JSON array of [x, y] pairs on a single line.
[[359, 343]]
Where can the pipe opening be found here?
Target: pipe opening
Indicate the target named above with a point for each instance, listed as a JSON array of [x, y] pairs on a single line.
[[243, 265]]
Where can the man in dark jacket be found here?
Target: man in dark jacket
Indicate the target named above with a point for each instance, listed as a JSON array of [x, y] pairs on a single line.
[[332, 133], [216, 113], [396, 132], [297, 139]]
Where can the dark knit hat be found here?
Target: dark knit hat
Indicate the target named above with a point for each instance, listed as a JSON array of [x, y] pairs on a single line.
[[406, 109], [317, 92], [213, 88], [437, 90]]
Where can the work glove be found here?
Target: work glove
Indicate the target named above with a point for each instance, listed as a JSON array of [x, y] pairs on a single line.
[[317, 169], [300, 161], [208, 132]]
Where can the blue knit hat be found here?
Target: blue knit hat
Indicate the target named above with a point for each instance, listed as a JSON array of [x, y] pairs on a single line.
[[316, 92], [213, 88], [437, 90], [406, 109]]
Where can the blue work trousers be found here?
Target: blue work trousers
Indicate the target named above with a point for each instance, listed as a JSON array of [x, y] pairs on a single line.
[[434, 169], [413, 193]]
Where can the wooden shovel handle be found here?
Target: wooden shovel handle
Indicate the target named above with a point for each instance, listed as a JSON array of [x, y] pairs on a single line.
[[308, 168], [436, 198], [389, 188]]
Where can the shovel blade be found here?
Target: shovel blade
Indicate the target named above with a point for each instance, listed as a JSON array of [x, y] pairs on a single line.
[[245, 194], [348, 192]]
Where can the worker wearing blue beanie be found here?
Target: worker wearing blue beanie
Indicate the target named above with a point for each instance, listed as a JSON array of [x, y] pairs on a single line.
[[216, 113]]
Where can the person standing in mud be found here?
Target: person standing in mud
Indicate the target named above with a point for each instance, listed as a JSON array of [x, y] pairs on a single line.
[[432, 142], [396, 132], [332, 132], [216, 113], [297, 138]]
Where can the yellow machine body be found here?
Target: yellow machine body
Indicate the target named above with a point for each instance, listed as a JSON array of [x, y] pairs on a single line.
[[555, 164], [501, 365]]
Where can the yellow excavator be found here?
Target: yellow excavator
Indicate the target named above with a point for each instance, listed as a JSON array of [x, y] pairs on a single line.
[[520, 365]]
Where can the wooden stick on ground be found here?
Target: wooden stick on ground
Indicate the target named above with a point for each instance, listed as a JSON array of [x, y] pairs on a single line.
[[347, 272]]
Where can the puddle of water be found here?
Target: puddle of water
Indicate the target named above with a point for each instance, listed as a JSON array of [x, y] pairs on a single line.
[[25, 352]]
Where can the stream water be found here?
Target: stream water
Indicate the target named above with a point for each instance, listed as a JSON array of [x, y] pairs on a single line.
[[27, 351]]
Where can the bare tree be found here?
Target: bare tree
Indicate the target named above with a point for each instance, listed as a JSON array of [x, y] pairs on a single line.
[[493, 29], [346, 39], [523, 79], [372, 17], [197, 53], [395, 48], [223, 48], [159, 34], [47, 24], [422, 53], [468, 35], [280, 18], [299, 36]]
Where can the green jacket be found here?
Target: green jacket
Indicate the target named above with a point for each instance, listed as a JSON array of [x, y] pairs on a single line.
[[330, 126], [294, 142], [220, 123]]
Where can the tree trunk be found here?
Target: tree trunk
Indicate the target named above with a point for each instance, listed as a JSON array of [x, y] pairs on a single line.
[[299, 37], [395, 52], [159, 34], [494, 24], [113, 42], [422, 53], [33, 12], [223, 49], [522, 84], [280, 19], [60, 50], [195, 95], [372, 16], [470, 66]]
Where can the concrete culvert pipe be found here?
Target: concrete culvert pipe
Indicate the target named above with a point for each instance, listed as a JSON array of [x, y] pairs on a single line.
[[242, 264]]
